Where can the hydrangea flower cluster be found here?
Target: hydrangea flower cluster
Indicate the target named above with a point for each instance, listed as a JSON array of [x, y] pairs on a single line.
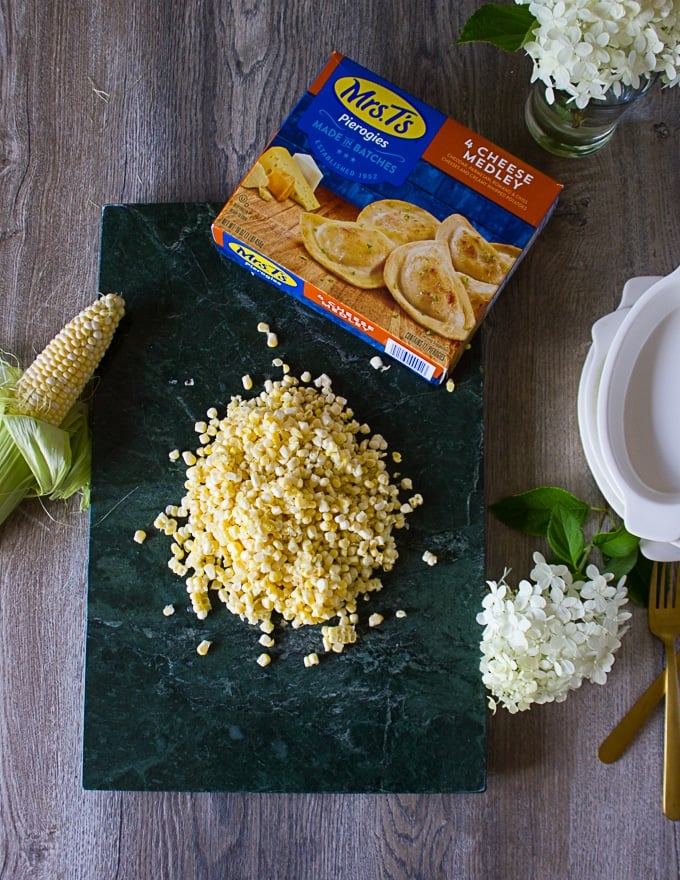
[[586, 47], [549, 635]]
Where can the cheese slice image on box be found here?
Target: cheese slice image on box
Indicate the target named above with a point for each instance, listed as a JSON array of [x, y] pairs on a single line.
[[392, 219]]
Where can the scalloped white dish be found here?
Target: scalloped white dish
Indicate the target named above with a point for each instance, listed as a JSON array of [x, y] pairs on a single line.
[[603, 332], [638, 412]]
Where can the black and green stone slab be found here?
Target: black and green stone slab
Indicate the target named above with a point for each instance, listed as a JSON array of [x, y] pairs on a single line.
[[402, 710]]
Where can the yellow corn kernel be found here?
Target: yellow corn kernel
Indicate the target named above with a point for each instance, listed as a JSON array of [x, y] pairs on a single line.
[[263, 327], [375, 619], [188, 458], [173, 455], [263, 660], [272, 340], [168, 610], [200, 602], [51, 385], [429, 557], [266, 641], [400, 613], [311, 659], [450, 385], [139, 536], [203, 647], [247, 381]]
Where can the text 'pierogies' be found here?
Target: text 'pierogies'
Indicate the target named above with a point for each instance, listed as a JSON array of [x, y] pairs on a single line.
[[401, 221], [354, 253], [421, 278]]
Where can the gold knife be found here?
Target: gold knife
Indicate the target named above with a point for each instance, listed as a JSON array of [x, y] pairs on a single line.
[[624, 733]]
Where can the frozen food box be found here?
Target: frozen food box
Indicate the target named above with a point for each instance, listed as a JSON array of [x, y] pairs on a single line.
[[387, 216]]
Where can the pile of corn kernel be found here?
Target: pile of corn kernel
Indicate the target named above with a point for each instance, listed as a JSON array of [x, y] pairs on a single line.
[[289, 510]]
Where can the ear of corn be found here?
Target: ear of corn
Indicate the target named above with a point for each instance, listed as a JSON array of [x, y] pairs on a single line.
[[44, 434], [56, 378]]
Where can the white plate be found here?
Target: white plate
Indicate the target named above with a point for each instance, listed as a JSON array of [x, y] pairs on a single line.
[[603, 333], [638, 412]]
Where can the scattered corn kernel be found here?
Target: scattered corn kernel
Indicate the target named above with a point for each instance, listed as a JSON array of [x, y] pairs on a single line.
[[262, 327], [306, 377], [263, 660], [272, 340], [375, 619], [311, 659], [247, 381], [450, 385], [334, 638], [400, 613], [139, 536], [168, 610], [203, 647], [377, 363], [396, 457], [173, 455], [277, 362], [429, 557], [266, 641], [188, 458]]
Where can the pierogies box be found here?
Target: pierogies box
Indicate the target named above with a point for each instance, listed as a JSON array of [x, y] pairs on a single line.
[[385, 215]]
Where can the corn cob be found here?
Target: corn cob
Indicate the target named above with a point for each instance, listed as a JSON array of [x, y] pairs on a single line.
[[44, 437], [55, 380]]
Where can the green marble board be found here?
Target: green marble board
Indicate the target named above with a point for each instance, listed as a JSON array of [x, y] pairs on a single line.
[[402, 710]]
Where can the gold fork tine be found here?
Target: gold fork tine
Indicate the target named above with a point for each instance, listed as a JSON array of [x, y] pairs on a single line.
[[664, 622]]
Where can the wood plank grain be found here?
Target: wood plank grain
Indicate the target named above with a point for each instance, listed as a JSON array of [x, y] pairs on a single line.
[[105, 102]]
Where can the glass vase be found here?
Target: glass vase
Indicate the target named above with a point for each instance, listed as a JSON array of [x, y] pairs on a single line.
[[564, 129]]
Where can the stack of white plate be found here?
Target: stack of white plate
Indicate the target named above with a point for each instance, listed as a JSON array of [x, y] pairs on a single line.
[[629, 411]]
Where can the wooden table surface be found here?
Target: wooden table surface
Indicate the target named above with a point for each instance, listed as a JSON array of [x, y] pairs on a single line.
[[152, 102]]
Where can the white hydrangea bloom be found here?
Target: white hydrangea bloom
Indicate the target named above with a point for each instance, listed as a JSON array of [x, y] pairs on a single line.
[[586, 47], [549, 635]]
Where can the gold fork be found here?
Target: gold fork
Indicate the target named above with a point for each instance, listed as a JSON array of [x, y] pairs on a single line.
[[664, 622]]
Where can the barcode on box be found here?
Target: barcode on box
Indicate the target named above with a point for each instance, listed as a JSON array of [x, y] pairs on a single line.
[[408, 358]]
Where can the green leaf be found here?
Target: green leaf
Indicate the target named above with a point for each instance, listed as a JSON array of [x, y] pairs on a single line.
[[617, 543], [505, 25], [565, 537], [530, 512], [620, 565], [637, 581]]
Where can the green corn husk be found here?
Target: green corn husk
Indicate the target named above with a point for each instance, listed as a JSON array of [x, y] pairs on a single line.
[[37, 458]]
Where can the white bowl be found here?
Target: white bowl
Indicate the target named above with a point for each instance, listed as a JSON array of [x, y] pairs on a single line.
[[638, 412]]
